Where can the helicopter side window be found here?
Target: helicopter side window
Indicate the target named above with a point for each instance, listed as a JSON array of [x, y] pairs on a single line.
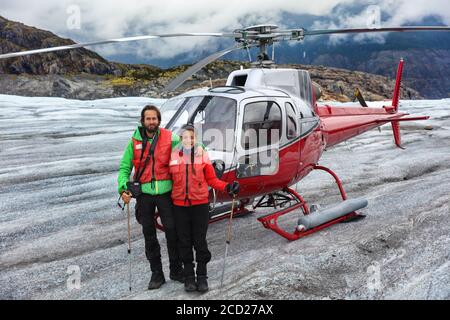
[[261, 125], [305, 88], [291, 121], [308, 91], [261, 130]]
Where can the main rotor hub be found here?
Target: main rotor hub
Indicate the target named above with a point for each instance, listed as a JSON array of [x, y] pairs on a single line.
[[259, 34], [262, 28], [262, 36]]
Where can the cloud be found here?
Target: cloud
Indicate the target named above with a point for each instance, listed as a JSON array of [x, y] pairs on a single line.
[[389, 13], [102, 19]]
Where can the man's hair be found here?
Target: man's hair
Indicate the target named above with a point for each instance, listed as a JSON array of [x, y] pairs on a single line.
[[151, 108]]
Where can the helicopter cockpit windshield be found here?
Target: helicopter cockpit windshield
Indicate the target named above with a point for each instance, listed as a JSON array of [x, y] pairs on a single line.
[[214, 118], [169, 108]]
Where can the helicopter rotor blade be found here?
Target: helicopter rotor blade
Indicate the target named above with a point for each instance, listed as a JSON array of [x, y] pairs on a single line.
[[178, 81], [369, 30], [238, 35], [118, 40]]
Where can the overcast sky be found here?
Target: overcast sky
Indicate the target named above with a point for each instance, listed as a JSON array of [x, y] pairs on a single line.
[[102, 19]]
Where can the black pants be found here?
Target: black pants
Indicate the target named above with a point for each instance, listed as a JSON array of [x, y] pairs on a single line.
[[192, 226], [145, 214]]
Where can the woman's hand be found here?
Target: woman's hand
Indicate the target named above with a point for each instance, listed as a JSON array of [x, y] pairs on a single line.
[[233, 188]]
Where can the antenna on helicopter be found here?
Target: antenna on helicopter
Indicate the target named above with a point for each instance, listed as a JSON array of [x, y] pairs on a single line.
[[273, 51]]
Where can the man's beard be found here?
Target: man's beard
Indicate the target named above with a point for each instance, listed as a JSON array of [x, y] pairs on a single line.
[[152, 130]]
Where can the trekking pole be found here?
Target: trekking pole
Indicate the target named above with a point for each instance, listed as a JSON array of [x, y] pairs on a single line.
[[228, 240], [129, 244]]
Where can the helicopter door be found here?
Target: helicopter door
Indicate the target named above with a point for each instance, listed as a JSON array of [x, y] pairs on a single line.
[[290, 143], [259, 142]]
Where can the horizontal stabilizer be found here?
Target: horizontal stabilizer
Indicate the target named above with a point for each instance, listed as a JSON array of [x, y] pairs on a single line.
[[396, 127], [404, 119]]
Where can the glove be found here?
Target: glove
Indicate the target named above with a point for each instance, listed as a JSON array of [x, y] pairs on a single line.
[[233, 188]]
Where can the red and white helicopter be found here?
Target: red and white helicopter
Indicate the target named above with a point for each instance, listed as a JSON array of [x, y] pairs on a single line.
[[265, 129]]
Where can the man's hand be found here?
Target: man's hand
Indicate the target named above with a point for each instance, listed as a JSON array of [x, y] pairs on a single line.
[[126, 196]]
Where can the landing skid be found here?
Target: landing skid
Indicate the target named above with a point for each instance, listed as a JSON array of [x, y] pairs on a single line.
[[295, 201], [356, 218], [239, 211], [286, 200], [219, 213]]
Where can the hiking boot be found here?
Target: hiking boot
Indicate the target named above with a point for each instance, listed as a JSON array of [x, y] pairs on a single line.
[[190, 285], [202, 284], [177, 275], [156, 281]]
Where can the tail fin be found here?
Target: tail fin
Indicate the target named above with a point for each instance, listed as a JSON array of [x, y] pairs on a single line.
[[395, 99], [397, 135], [398, 82]]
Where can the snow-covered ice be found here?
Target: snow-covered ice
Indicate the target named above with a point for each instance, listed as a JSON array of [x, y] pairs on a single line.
[[58, 169]]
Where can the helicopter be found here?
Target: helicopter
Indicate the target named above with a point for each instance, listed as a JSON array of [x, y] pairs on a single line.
[[265, 128]]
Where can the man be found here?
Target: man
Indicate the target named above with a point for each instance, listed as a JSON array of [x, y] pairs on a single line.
[[151, 167]]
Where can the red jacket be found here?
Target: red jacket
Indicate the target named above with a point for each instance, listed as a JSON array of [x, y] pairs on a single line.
[[162, 156], [191, 189]]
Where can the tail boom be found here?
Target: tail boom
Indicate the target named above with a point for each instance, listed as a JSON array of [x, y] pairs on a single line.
[[343, 123]]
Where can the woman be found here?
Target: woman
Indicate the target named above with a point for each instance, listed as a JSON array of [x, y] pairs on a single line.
[[192, 173]]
